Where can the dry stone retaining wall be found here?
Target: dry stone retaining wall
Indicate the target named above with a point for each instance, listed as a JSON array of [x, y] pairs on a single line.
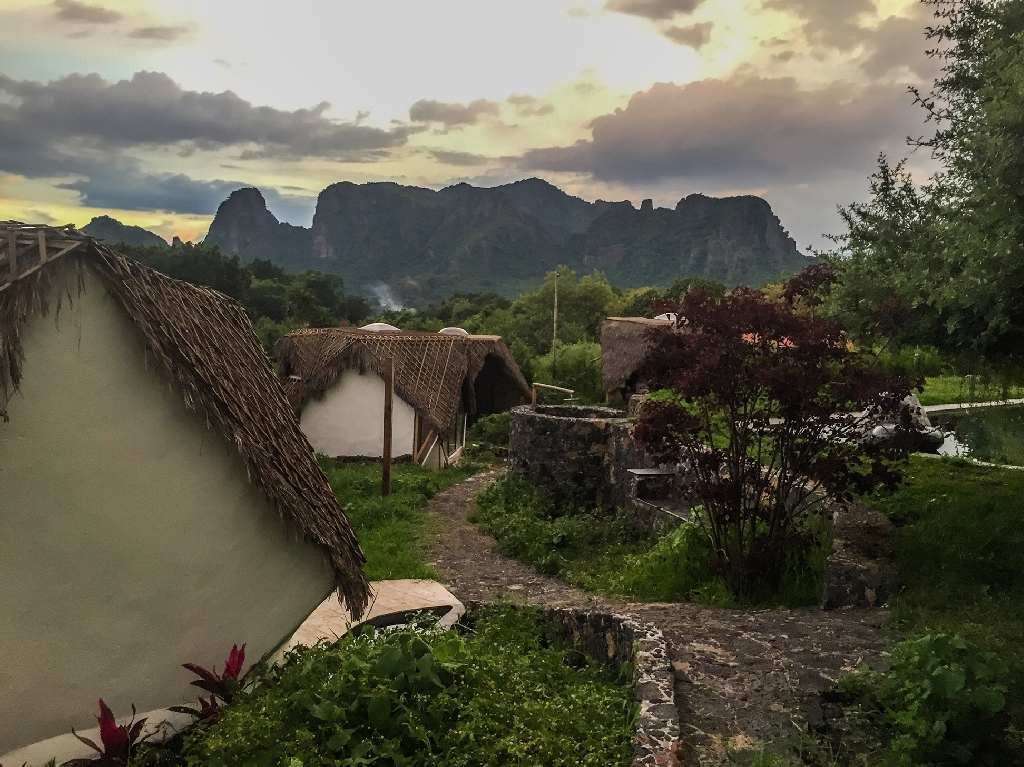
[[578, 455]]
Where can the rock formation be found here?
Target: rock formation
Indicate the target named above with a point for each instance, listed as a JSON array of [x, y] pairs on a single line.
[[113, 231], [424, 244]]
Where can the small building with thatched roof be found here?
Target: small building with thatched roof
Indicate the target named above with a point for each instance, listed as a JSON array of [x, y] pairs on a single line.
[[158, 501], [625, 344], [442, 381]]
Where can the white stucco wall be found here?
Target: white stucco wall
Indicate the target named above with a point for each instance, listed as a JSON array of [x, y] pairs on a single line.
[[130, 538], [349, 419]]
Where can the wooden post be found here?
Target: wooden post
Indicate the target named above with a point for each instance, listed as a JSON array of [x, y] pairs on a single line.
[[554, 334], [389, 396], [12, 253]]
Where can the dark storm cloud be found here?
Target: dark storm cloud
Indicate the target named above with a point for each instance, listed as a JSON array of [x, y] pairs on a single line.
[[83, 13], [656, 10], [530, 106], [151, 109], [695, 35], [458, 158], [80, 127], [835, 23], [899, 42], [125, 185], [166, 33], [452, 114], [740, 131]]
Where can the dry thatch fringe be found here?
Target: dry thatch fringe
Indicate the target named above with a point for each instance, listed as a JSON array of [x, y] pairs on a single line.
[[203, 342], [431, 370], [23, 300], [625, 342]]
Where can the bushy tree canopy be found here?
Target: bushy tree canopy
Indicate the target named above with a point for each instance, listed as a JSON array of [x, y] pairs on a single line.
[[765, 406], [943, 262]]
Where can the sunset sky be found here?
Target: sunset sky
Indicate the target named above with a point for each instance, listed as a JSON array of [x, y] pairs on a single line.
[[152, 111]]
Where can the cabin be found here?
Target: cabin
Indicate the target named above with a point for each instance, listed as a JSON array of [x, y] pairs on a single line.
[[625, 344], [158, 501], [335, 379]]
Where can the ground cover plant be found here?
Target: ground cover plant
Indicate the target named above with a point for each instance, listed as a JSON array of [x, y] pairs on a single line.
[[942, 699], [959, 550], [497, 693], [391, 530], [603, 552]]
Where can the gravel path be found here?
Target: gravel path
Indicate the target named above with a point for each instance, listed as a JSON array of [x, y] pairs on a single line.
[[744, 677]]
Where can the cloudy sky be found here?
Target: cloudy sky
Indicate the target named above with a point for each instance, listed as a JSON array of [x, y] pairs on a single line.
[[152, 111]]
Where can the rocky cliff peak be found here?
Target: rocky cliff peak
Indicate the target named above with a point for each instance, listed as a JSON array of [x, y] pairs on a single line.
[[113, 231], [245, 227]]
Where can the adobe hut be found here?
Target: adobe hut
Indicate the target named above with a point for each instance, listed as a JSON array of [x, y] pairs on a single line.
[[625, 343], [443, 381], [158, 501]]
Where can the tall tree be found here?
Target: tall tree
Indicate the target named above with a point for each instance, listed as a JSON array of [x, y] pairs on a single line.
[[943, 262]]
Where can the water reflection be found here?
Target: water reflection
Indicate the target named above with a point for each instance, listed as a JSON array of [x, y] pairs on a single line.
[[994, 434]]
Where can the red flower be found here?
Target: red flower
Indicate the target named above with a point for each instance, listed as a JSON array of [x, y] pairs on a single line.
[[113, 737], [233, 665]]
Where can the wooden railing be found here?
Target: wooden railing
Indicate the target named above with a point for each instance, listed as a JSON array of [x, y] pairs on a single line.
[[549, 387]]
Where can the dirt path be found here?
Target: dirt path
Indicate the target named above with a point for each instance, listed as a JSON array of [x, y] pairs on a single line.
[[743, 676]]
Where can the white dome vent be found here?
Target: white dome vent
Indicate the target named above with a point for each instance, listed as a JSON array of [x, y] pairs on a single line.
[[380, 327], [453, 332]]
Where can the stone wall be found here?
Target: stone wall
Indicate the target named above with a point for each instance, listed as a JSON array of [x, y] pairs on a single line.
[[579, 455], [617, 640]]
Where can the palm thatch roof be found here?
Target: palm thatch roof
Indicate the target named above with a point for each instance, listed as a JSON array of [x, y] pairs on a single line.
[[434, 373], [625, 343], [203, 343]]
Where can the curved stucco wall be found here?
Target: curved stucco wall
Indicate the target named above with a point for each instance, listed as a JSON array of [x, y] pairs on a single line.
[[349, 419], [130, 538]]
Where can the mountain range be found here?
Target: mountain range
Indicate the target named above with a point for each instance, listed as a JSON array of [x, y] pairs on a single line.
[[111, 230], [422, 244]]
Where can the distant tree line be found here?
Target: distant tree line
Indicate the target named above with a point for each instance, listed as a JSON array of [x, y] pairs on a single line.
[[277, 302]]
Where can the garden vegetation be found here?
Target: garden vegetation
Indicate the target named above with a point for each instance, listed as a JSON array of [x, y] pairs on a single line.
[[496, 693]]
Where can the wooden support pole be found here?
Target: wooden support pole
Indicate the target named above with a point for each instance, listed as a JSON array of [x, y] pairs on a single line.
[[12, 253], [389, 396]]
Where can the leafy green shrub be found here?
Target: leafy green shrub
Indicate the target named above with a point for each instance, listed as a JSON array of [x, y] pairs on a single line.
[[489, 435], [942, 698], [677, 566], [914, 361], [496, 694], [558, 541], [604, 552], [575, 366]]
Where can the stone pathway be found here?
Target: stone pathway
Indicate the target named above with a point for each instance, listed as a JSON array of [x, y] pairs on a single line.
[[744, 677]]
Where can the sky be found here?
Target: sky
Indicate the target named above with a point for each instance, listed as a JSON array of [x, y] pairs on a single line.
[[153, 111]]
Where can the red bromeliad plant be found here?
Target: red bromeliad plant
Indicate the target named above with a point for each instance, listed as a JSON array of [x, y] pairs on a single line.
[[765, 407], [222, 687], [117, 742]]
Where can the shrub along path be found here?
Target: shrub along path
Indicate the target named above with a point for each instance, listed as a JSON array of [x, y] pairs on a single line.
[[744, 677]]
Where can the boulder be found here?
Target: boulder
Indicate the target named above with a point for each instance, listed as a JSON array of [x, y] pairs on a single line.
[[908, 424]]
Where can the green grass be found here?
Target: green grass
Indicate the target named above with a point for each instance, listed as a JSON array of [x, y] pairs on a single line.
[[604, 553], [391, 530], [498, 692], [948, 389], [959, 550]]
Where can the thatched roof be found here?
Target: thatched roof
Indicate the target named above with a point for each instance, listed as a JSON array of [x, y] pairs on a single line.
[[203, 343], [625, 343], [434, 373]]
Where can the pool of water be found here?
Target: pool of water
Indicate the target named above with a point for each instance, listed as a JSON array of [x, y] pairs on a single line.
[[993, 434]]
